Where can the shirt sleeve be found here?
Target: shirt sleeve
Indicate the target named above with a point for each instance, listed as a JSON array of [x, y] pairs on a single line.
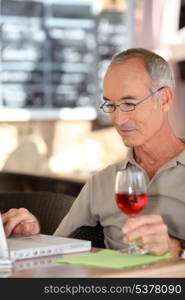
[[80, 213]]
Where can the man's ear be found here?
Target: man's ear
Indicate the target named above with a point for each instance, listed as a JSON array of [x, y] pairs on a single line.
[[166, 98]]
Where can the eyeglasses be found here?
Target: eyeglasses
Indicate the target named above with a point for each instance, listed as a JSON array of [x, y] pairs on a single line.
[[126, 106]]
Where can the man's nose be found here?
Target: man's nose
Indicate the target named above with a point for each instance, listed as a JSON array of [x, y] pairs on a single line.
[[119, 117]]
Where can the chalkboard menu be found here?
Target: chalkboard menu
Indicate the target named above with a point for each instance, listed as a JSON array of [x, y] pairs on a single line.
[[54, 53]]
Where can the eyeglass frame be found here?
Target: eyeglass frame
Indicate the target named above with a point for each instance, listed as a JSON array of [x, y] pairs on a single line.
[[131, 104]]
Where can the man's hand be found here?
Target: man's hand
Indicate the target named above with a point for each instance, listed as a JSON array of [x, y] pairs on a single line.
[[20, 221], [151, 233]]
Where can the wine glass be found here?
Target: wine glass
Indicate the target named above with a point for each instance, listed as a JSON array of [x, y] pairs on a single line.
[[131, 198]]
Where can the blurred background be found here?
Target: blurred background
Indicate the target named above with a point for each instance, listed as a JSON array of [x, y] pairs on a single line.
[[53, 56]]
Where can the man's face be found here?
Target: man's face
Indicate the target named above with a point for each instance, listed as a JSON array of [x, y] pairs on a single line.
[[129, 82]]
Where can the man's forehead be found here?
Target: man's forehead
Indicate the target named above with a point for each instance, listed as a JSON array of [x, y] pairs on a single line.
[[127, 72], [135, 63]]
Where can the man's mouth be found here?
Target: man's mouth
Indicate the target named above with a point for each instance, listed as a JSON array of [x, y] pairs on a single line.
[[126, 131]]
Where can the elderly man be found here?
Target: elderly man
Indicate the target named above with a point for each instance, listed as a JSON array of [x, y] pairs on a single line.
[[138, 91]]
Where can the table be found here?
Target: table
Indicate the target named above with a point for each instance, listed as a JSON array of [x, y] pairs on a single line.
[[47, 268]]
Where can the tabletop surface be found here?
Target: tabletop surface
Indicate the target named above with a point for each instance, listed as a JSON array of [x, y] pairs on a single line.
[[46, 267]]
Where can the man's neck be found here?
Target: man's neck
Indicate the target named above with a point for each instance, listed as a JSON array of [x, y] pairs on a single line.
[[158, 150]]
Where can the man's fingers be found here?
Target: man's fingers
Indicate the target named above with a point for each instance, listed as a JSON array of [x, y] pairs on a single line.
[[26, 228], [156, 247], [143, 231], [9, 214], [135, 222], [22, 213], [14, 226], [20, 221]]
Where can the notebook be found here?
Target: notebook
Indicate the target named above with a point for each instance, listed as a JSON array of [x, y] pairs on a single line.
[[22, 247]]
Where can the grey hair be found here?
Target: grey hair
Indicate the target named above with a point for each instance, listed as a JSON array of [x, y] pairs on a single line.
[[157, 67]]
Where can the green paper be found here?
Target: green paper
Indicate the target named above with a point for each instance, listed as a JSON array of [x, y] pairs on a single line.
[[112, 259]]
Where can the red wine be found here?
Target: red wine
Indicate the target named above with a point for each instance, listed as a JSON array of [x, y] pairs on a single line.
[[131, 204]]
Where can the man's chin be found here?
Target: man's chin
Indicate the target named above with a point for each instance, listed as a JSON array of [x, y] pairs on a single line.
[[130, 142]]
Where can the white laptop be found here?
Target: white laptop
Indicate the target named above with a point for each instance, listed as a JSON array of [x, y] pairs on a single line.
[[22, 247]]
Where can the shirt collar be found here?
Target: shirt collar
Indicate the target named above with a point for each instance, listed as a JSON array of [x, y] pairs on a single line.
[[129, 158], [180, 158]]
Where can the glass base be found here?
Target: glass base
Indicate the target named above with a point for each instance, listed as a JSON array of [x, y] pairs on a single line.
[[133, 248]]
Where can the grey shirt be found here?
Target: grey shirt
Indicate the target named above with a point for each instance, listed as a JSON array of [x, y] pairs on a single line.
[[96, 202]]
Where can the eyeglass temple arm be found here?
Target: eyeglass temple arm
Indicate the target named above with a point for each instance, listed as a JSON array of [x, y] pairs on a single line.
[[153, 93]]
